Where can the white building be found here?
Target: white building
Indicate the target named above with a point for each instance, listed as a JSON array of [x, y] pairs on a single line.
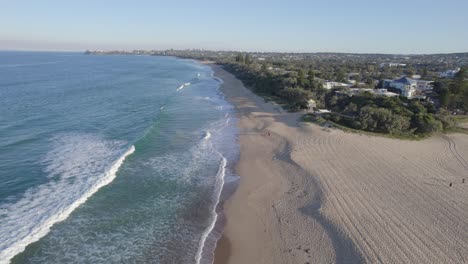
[[382, 92], [385, 92], [449, 73], [331, 85], [358, 91], [406, 86], [392, 64], [423, 85]]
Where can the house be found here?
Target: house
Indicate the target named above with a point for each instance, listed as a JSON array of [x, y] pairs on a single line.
[[357, 91], [331, 85], [391, 64], [405, 86], [449, 73], [423, 85], [385, 92]]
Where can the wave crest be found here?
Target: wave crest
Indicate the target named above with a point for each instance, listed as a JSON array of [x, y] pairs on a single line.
[[77, 167]]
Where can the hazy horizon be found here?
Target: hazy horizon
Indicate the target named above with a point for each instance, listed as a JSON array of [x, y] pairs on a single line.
[[399, 27], [242, 51]]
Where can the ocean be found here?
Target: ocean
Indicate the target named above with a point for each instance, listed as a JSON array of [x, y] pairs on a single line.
[[111, 159]]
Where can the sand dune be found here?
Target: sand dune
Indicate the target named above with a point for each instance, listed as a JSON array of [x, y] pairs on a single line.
[[314, 195]]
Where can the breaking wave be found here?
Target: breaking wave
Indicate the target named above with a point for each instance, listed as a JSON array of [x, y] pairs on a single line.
[[77, 166]]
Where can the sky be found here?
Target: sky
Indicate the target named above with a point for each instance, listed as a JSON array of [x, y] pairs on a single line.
[[360, 26]]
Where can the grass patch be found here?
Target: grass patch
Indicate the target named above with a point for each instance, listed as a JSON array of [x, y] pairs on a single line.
[[457, 130], [460, 118]]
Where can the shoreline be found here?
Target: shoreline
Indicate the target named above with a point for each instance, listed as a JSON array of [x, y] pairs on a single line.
[[309, 194]]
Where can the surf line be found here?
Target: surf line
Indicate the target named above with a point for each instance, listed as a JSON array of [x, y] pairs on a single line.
[[183, 86], [214, 215]]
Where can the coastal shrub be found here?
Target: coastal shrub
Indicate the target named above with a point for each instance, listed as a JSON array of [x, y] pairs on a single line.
[[426, 123], [447, 121], [382, 120], [296, 97], [417, 108]]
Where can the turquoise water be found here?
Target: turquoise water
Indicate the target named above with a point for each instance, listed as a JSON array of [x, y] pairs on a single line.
[[110, 159]]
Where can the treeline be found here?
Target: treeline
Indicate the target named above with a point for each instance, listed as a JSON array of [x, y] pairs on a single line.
[[361, 70], [389, 115], [453, 93], [292, 88]]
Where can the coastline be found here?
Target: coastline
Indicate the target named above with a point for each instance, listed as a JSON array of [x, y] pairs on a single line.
[[308, 194]]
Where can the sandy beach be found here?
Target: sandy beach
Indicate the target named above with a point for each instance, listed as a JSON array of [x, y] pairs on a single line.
[[313, 195]]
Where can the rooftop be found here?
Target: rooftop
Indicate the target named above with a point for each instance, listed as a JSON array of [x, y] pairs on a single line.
[[406, 80]]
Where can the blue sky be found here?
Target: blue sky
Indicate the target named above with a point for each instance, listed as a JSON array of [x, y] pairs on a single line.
[[395, 26]]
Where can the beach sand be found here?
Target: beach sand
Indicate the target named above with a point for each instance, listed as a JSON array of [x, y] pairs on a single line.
[[313, 195]]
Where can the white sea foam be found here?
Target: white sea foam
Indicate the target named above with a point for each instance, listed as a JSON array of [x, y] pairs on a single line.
[[183, 86], [217, 147], [205, 98], [207, 135], [223, 132], [78, 166], [221, 81], [214, 216], [206, 152]]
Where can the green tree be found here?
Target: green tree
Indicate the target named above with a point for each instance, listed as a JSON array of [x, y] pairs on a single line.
[[248, 59], [442, 90], [240, 58], [333, 101], [426, 123], [417, 108], [444, 117], [296, 97], [311, 75], [340, 76], [425, 73], [301, 74], [290, 82], [382, 120], [444, 98], [461, 75], [458, 85], [465, 99], [351, 108], [301, 78], [410, 72]]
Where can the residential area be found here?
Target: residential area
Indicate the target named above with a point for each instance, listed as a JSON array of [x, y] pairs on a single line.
[[403, 95]]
